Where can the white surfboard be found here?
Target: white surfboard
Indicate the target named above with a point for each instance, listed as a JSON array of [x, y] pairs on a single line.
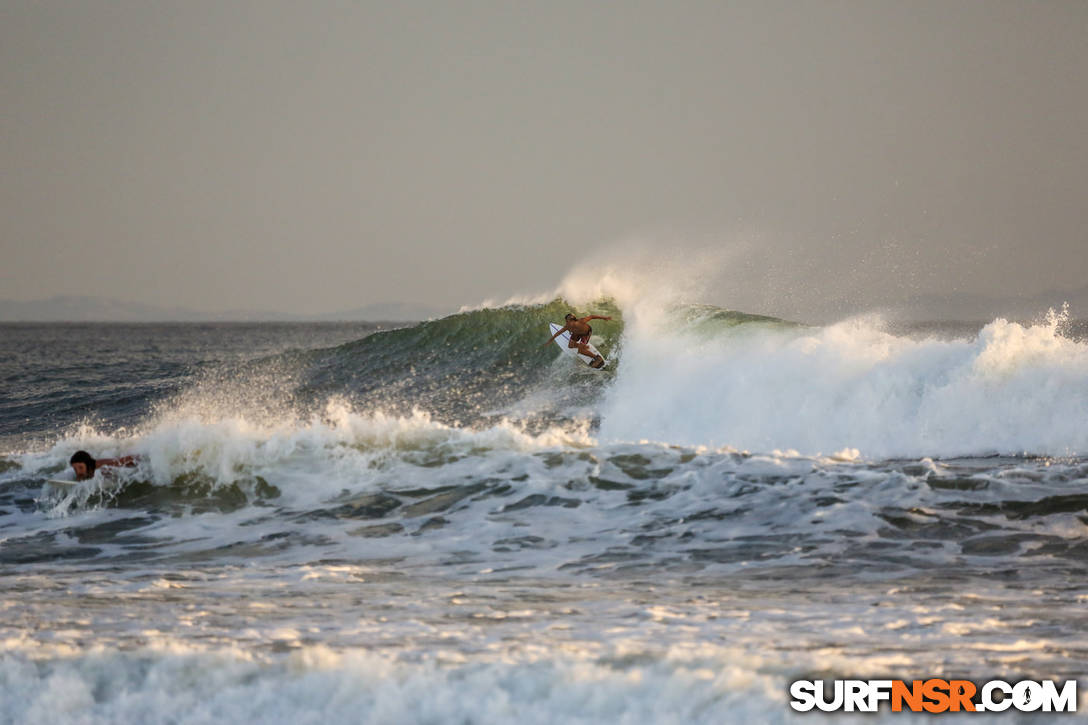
[[564, 339], [62, 481]]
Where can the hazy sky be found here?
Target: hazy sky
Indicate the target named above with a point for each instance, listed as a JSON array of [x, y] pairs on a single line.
[[313, 156]]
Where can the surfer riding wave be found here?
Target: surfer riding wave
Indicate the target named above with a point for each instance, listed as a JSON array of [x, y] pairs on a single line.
[[580, 332]]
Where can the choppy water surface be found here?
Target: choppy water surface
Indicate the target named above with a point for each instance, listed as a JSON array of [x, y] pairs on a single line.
[[448, 523]]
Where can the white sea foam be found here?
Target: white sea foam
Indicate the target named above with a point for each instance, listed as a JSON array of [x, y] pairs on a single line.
[[1014, 389], [847, 388], [180, 684], [310, 459]]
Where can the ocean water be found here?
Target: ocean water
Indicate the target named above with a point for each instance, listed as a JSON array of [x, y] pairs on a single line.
[[448, 523]]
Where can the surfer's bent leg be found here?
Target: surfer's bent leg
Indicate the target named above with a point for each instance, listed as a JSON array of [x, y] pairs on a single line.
[[581, 344]]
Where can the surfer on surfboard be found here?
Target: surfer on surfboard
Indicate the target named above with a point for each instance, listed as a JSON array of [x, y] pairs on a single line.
[[580, 332]]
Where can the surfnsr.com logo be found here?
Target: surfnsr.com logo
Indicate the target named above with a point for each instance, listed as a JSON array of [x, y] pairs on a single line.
[[933, 695]]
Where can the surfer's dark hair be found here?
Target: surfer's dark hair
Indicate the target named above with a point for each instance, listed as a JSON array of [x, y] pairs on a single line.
[[570, 315], [85, 458]]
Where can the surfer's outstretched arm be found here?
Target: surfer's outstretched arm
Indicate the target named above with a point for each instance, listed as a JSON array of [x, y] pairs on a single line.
[[558, 332], [123, 461]]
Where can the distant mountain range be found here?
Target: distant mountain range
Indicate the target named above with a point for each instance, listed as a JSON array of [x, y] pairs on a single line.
[[97, 309]]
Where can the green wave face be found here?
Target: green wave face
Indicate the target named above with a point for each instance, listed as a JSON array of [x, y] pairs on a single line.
[[458, 367]]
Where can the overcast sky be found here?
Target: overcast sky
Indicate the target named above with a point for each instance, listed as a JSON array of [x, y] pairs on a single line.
[[313, 156]]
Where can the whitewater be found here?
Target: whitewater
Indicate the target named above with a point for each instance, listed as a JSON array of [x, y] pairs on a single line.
[[447, 522]]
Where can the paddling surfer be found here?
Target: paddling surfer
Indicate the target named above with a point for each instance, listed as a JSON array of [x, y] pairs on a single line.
[[580, 332], [84, 464]]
